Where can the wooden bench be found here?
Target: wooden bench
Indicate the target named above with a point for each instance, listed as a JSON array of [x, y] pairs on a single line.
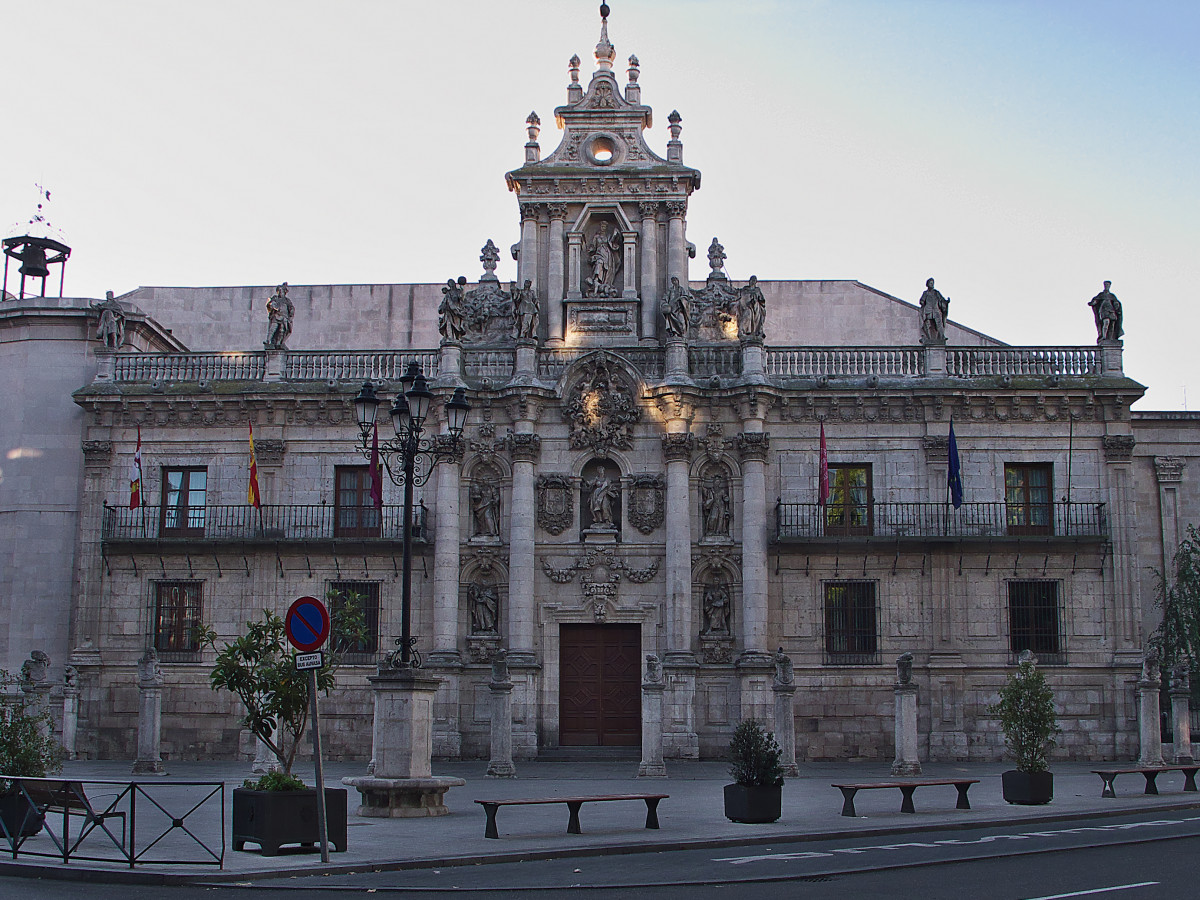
[[67, 798], [906, 788], [573, 804], [1108, 776]]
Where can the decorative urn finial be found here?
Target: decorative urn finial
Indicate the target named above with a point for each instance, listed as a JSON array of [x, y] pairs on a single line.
[[605, 52]]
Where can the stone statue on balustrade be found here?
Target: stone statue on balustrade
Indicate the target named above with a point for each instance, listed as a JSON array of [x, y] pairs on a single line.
[[452, 311], [1106, 309], [484, 603], [110, 330], [934, 310], [280, 312], [525, 311], [34, 669], [677, 309], [751, 310]]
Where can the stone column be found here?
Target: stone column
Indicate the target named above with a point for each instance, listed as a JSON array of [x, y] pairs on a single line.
[[908, 761], [652, 764], [649, 250], [1181, 692], [524, 446], [753, 369], [752, 446], [784, 688], [1149, 728], [677, 449], [1124, 591], [70, 719], [574, 265], [527, 265], [501, 763], [149, 739], [677, 241], [403, 785], [1169, 472], [629, 264], [447, 540], [555, 291]]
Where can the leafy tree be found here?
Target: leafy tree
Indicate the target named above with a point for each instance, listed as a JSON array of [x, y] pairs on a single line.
[[258, 667], [1178, 635], [754, 756], [1026, 713], [27, 745]]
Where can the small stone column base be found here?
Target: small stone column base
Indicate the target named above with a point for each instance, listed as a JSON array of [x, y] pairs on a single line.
[[907, 761], [402, 798], [70, 722], [501, 763], [1149, 730], [1181, 721], [785, 728], [652, 764]]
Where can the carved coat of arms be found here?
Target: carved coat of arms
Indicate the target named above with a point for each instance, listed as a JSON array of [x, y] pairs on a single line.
[[647, 502], [600, 406], [555, 503]]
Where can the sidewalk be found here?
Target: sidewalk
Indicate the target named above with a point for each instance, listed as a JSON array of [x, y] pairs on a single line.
[[693, 815]]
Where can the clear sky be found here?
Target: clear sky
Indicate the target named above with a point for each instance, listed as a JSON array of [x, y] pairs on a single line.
[[1019, 151]]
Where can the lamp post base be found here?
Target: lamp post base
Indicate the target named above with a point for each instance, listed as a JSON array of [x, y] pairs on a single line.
[[402, 798]]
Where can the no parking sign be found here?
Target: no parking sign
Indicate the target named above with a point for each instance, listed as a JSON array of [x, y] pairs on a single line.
[[307, 624]]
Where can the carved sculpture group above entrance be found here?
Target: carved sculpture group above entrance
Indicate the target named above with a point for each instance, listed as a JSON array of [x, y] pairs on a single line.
[[599, 406]]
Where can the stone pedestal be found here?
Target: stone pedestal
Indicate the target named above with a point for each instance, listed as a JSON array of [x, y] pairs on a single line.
[[70, 718], [1149, 730], [501, 763], [149, 742], [1181, 691], [676, 359], [785, 727], [449, 364], [274, 364], [106, 364], [1110, 357], [935, 359], [652, 764], [907, 761], [403, 785], [752, 361], [526, 367]]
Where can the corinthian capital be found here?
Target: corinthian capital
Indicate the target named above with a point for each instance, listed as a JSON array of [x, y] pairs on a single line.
[[524, 447], [753, 445], [678, 446]]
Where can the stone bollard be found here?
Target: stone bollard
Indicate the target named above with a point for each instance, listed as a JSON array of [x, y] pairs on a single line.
[[149, 739], [1181, 692], [784, 686], [907, 760], [501, 763], [653, 685], [402, 785], [70, 720], [1149, 727]]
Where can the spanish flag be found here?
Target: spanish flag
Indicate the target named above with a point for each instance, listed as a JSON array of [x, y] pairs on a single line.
[[135, 474], [253, 499]]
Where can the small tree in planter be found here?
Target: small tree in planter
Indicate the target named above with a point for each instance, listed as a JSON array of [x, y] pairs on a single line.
[[1026, 713], [27, 749], [756, 796], [258, 667]]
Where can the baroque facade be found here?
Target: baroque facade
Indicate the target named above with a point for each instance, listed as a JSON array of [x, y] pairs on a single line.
[[642, 474]]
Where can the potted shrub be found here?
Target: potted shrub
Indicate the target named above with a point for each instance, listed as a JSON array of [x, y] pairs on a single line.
[[1026, 713], [756, 795], [28, 749], [258, 668]]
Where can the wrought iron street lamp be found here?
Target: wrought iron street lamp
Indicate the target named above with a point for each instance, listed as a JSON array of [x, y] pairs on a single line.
[[408, 460]]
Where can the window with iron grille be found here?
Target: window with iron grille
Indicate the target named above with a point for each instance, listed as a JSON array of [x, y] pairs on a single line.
[[1033, 620], [849, 510], [1028, 498], [183, 501], [851, 623], [177, 615], [355, 512], [366, 595]]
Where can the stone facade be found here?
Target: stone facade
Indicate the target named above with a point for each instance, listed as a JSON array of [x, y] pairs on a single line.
[[661, 479]]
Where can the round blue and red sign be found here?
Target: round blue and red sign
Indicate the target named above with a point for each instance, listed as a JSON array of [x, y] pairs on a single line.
[[307, 624]]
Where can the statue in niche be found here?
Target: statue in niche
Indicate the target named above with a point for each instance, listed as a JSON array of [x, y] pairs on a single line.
[[525, 310], [715, 506], [751, 309], [785, 673], [934, 309], [111, 327], [452, 311], [485, 605], [716, 611], [603, 491], [1106, 309], [280, 312], [485, 509], [604, 255], [677, 309], [716, 256], [904, 667]]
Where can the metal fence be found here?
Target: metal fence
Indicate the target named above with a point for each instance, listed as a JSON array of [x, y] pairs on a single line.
[[175, 822], [934, 520]]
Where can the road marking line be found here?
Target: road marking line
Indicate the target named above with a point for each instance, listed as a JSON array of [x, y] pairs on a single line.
[[1104, 890]]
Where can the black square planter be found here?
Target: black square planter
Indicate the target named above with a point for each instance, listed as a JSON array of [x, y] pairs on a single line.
[[274, 818], [753, 805], [1028, 788], [21, 818]]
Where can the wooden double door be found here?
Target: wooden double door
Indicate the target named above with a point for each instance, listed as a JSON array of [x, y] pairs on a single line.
[[600, 698]]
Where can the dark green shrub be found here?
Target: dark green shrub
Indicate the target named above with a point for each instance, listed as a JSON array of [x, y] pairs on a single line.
[[754, 756]]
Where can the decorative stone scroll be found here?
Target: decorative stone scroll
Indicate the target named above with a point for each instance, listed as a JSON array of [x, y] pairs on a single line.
[[647, 502], [600, 406], [555, 503]]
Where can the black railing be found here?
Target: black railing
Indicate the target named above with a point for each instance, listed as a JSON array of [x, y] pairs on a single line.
[[807, 521], [267, 524], [174, 822]]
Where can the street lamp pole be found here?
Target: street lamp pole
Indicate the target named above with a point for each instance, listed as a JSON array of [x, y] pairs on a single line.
[[409, 460]]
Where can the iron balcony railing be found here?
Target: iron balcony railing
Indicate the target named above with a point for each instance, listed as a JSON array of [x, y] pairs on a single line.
[[266, 524], [814, 521]]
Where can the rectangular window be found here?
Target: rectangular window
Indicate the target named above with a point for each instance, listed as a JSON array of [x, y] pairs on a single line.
[[849, 508], [177, 612], [183, 500], [366, 595], [355, 512], [1028, 498], [1033, 619], [851, 625]]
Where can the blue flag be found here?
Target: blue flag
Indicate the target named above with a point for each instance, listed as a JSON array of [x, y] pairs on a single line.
[[954, 474]]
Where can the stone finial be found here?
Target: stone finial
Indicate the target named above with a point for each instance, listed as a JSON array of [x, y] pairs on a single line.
[[634, 69], [70, 678], [716, 258], [1181, 677], [489, 255], [574, 69], [904, 667], [673, 123], [785, 673], [535, 125], [605, 51]]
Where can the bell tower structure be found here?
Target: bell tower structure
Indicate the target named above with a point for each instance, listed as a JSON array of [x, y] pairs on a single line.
[[603, 217]]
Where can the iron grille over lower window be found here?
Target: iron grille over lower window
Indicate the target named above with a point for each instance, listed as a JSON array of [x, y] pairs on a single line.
[[177, 614], [366, 594], [851, 626], [1033, 620]]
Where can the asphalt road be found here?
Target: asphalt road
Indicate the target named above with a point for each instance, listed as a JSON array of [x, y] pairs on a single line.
[[1130, 858]]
